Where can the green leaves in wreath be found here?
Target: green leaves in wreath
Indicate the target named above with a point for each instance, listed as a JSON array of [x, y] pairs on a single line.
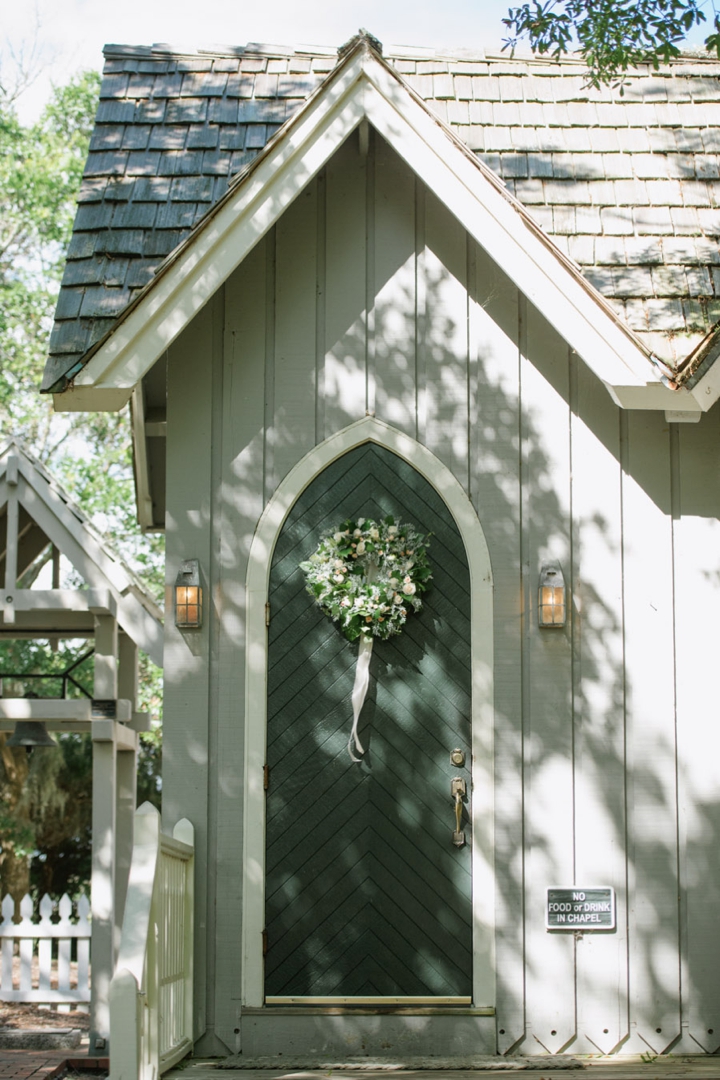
[[367, 576]]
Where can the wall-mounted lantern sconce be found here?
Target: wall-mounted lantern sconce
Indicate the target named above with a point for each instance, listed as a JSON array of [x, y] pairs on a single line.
[[188, 596], [551, 597]]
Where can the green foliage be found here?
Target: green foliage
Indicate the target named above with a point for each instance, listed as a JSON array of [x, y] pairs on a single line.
[[101, 481], [40, 170], [46, 816], [34, 657], [611, 35], [57, 799], [46, 798]]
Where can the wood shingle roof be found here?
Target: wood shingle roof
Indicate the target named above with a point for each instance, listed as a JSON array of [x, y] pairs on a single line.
[[627, 186]]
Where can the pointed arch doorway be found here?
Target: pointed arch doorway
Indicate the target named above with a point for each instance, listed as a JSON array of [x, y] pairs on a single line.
[[355, 884]]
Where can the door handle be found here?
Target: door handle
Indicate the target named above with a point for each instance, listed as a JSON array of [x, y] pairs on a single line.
[[458, 789]]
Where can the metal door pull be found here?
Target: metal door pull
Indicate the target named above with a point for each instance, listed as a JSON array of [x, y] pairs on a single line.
[[458, 789]]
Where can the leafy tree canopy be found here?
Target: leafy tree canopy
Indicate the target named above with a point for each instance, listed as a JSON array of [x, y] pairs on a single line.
[[45, 798], [611, 35], [40, 170]]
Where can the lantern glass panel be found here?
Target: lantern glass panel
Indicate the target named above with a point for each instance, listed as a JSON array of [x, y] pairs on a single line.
[[551, 598], [188, 596]]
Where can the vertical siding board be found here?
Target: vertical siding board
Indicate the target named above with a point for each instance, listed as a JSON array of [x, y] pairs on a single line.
[[241, 503], [394, 308], [601, 958], [421, 396], [697, 591], [217, 765], [548, 691], [344, 376], [293, 421], [443, 266], [495, 493], [652, 820], [368, 154], [320, 306], [186, 655]]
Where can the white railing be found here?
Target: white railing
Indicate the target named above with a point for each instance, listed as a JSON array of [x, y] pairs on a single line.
[[36, 963], [151, 991]]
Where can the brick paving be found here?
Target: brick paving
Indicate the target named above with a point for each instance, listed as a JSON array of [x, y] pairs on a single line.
[[38, 1064], [45, 1064]]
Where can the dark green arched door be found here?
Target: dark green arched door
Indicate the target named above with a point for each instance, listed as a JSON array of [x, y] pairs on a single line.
[[366, 894]]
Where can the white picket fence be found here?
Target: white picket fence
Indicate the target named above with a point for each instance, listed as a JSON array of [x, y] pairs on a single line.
[[151, 992], [36, 956]]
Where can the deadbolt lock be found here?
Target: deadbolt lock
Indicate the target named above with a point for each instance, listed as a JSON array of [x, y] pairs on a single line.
[[457, 757]]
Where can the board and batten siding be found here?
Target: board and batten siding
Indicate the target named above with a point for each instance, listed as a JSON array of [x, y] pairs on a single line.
[[368, 297]]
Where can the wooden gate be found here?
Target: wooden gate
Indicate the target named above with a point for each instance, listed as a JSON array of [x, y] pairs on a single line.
[[366, 895]]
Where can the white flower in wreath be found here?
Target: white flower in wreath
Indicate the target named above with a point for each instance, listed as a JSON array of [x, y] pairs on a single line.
[[366, 585]]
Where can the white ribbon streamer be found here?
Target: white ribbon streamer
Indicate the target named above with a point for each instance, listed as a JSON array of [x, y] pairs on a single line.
[[362, 681], [362, 676]]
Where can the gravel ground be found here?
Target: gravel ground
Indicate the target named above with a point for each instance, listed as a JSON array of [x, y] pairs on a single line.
[[32, 1018]]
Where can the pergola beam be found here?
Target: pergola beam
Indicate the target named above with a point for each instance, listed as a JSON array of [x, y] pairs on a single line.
[[140, 722], [76, 710]]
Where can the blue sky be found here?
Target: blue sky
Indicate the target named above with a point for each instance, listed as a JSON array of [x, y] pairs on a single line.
[[70, 34]]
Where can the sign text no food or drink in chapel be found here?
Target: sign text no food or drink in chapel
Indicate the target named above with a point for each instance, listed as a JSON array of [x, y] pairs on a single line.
[[580, 909]]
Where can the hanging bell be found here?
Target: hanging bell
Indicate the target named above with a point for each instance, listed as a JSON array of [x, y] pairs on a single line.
[[30, 733]]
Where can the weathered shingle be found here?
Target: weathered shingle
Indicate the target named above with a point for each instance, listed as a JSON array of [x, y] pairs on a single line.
[[627, 185]]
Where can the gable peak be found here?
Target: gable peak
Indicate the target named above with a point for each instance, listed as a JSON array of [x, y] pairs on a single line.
[[363, 39]]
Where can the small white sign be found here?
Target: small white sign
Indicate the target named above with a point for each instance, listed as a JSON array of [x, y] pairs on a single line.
[[580, 908]]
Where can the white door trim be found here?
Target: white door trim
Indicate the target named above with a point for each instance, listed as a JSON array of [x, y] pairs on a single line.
[[258, 576]]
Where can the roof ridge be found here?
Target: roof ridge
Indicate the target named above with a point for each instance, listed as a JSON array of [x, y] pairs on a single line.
[[695, 54], [253, 48]]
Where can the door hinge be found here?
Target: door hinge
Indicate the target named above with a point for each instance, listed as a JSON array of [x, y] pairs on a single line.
[[267, 614], [266, 777], [265, 942]]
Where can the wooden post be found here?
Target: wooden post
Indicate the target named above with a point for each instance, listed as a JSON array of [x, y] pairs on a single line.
[[11, 543], [126, 796], [126, 1029], [125, 799], [127, 669], [106, 657], [102, 889], [104, 826], [184, 831]]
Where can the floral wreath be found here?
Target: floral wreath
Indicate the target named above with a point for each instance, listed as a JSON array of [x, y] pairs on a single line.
[[367, 576]]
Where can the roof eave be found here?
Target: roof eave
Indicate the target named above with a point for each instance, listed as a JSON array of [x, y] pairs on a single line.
[[584, 318]]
